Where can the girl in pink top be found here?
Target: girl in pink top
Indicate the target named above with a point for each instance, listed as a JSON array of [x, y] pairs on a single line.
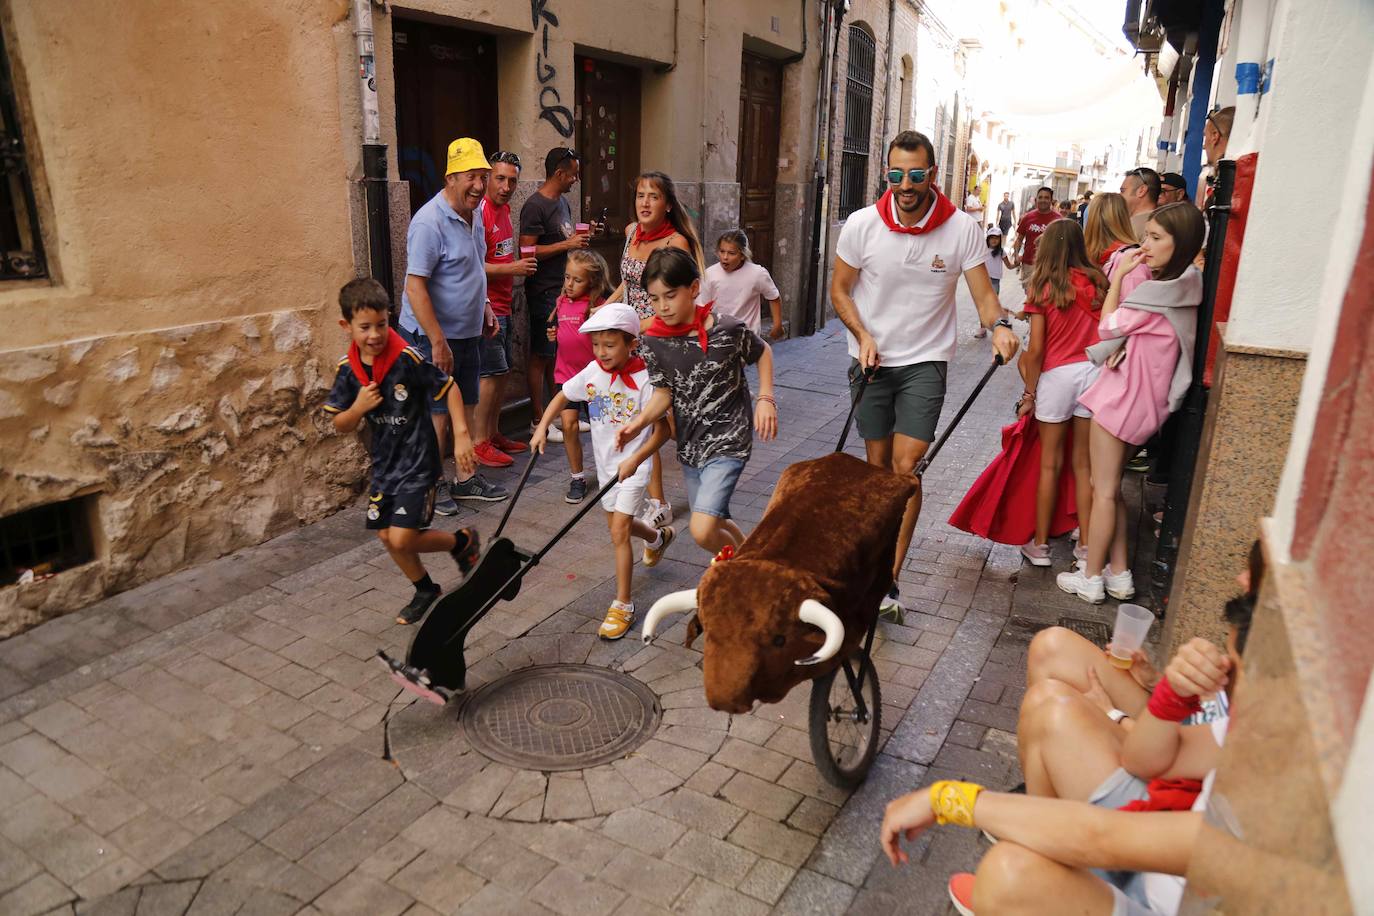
[[739, 287], [1132, 396], [585, 285]]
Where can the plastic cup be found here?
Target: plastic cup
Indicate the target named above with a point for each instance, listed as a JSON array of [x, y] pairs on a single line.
[[526, 251], [1132, 624], [583, 228]]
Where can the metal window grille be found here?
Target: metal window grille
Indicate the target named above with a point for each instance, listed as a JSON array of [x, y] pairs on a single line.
[[21, 243], [46, 539], [858, 121]]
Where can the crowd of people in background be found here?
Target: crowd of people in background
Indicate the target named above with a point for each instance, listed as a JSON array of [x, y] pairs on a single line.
[[1110, 291]]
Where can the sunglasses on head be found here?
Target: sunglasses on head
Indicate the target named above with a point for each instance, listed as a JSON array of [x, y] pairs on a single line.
[[505, 158], [895, 176]]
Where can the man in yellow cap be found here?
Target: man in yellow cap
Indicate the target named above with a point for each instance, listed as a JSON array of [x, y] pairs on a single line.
[[444, 309]]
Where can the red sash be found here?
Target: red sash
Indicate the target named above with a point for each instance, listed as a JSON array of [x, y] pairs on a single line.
[[657, 328], [942, 207], [395, 343]]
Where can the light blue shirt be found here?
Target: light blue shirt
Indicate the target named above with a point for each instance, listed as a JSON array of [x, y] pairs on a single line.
[[443, 247]]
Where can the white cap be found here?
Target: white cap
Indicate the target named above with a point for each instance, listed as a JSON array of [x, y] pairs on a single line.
[[994, 230], [614, 316]]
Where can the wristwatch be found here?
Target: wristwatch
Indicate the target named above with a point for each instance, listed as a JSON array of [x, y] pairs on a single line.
[[1003, 322], [1116, 715]]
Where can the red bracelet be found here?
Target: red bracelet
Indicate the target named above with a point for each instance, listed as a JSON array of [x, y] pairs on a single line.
[[1168, 706]]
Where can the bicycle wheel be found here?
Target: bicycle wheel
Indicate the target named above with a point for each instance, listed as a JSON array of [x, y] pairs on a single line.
[[844, 742]]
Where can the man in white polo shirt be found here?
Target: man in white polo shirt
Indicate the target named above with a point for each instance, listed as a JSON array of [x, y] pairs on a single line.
[[897, 264]]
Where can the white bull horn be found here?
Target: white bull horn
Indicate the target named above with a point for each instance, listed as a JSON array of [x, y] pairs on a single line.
[[671, 603], [820, 616]]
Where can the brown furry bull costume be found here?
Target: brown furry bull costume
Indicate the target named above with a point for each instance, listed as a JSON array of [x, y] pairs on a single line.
[[800, 594]]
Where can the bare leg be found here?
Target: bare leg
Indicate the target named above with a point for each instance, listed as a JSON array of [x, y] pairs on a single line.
[[441, 433], [1059, 654], [733, 530], [656, 479], [1108, 458], [492, 390], [1012, 881], [536, 368], [709, 533], [406, 544], [1120, 561], [1082, 475], [619, 524], [900, 454], [572, 441], [1067, 744], [1051, 463]]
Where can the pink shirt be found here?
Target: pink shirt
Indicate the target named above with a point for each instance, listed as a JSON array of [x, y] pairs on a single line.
[[739, 293], [574, 347], [1131, 401]]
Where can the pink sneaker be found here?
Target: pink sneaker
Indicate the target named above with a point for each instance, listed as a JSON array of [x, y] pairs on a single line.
[[1036, 554], [961, 892]]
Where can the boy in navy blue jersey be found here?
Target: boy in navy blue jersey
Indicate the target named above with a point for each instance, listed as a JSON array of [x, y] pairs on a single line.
[[390, 385]]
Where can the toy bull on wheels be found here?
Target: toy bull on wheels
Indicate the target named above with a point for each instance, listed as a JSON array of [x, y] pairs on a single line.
[[799, 600]]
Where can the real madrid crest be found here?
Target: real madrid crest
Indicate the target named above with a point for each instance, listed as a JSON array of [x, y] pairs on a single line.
[[400, 392], [373, 513]]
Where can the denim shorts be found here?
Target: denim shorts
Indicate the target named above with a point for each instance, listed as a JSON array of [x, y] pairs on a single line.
[[710, 486], [496, 349], [467, 359], [541, 308]]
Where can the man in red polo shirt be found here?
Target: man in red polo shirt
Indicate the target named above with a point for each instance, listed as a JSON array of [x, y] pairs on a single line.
[[1029, 230], [502, 268]]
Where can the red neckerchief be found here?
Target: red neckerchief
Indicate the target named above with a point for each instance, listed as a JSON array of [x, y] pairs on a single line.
[[657, 328], [381, 365], [626, 373], [942, 210], [1167, 795], [662, 232]]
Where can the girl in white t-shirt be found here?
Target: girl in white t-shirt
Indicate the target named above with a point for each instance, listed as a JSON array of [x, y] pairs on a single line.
[[997, 259], [738, 286]]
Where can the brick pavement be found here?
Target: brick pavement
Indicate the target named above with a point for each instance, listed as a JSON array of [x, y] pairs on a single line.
[[213, 741]]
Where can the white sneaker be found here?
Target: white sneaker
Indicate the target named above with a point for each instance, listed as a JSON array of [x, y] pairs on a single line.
[[1077, 582], [657, 514], [1073, 535], [1119, 585]]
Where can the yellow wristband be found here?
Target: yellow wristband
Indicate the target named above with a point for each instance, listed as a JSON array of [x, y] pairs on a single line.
[[952, 802]]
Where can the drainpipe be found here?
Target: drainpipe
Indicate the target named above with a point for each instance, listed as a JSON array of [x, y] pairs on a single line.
[[374, 151], [802, 53], [673, 66], [705, 102], [825, 137], [891, 64]]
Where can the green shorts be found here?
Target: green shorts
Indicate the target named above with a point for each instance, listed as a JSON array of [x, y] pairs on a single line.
[[900, 399]]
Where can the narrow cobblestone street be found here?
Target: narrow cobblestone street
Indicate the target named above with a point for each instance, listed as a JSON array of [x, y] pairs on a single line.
[[214, 741]]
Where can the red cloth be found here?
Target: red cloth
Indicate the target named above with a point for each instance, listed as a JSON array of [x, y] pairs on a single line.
[[1167, 795], [1030, 228], [381, 365], [500, 237], [1167, 706], [662, 232], [943, 210], [657, 327], [1000, 505], [1069, 332], [626, 373]]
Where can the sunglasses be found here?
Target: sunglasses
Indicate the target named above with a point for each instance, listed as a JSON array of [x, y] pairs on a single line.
[[505, 158], [895, 176]]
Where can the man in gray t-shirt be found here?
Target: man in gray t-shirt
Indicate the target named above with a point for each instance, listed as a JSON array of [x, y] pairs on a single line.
[[1006, 215], [546, 223]]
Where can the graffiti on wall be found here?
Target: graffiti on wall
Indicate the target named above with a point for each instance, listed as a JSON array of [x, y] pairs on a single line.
[[550, 107]]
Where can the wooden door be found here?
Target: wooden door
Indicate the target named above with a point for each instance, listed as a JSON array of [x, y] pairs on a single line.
[[608, 142], [445, 89], [760, 113]]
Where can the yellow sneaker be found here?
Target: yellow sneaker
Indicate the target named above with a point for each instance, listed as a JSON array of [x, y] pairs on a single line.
[[651, 555], [617, 622]]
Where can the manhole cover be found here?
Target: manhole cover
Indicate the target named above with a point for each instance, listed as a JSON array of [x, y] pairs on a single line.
[[1094, 631], [560, 717]]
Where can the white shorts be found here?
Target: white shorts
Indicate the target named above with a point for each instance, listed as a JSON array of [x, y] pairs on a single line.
[[626, 496], [1057, 393]]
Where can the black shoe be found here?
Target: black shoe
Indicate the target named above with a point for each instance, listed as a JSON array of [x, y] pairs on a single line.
[[478, 488], [443, 501], [577, 490], [467, 549], [421, 603]]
